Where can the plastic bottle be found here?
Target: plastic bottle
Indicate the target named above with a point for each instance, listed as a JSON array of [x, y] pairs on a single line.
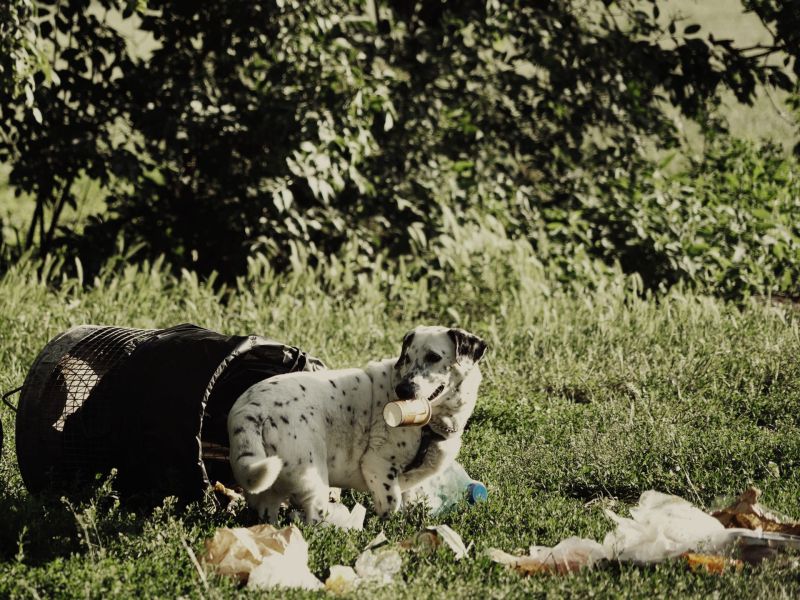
[[447, 489]]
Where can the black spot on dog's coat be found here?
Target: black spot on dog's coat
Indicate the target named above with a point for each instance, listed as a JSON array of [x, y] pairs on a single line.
[[387, 487], [238, 430], [331, 382], [284, 419], [302, 387]]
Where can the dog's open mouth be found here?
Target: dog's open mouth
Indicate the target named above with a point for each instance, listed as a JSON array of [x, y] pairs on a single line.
[[436, 392]]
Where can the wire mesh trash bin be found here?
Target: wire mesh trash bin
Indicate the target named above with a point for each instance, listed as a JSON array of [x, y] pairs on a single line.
[[151, 403]]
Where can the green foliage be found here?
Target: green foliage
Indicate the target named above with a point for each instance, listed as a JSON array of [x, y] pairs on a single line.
[[259, 126], [728, 224], [592, 393]]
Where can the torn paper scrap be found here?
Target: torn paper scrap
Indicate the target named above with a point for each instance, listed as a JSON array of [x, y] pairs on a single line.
[[451, 539]]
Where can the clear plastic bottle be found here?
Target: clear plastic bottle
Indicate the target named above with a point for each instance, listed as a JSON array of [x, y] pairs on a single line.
[[447, 489]]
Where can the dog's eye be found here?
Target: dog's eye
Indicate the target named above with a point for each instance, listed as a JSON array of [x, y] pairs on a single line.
[[432, 357]]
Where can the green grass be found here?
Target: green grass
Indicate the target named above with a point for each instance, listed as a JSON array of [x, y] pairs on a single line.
[[591, 395]]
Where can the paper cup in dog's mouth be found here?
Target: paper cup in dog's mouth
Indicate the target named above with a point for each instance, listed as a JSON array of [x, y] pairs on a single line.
[[402, 413]]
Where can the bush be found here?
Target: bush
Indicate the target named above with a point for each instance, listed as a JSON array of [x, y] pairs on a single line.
[[728, 224]]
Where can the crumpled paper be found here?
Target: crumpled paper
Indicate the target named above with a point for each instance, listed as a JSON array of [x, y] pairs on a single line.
[[378, 564], [262, 555], [340, 516]]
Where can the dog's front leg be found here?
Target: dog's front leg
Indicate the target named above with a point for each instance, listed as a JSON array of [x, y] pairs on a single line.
[[381, 477], [439, 456]]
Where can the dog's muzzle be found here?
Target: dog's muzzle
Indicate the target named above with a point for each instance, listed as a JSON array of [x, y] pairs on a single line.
[[406, 391]]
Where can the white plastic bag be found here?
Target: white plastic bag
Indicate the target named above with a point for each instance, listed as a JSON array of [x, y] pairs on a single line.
[[663, 526]]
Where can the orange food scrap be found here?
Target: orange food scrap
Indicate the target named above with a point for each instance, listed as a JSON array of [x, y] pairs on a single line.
[[711, 563]]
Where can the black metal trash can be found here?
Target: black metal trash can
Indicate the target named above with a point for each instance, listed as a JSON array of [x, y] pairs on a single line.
[[151, 403]]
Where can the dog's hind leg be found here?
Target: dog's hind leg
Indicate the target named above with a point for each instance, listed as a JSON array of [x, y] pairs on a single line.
[[267, 504], [311, 492]]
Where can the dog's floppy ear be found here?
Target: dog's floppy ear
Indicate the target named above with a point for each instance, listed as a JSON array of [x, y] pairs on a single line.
[[407, 339], [467, 345]]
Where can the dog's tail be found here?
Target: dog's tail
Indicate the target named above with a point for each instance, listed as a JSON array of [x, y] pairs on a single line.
[[252, 468]]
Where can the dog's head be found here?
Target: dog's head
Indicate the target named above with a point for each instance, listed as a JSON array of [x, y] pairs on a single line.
[[439, 364]]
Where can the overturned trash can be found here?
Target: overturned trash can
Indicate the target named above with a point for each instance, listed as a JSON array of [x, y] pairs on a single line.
[[151, 403]]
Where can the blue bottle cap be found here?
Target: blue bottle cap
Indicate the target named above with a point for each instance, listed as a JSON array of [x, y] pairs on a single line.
[[477, 492]]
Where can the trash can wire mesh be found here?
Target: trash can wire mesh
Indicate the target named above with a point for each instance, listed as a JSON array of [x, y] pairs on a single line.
[[151, 403]]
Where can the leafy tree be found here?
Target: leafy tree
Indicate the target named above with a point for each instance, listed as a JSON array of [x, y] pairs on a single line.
[[269, 124]]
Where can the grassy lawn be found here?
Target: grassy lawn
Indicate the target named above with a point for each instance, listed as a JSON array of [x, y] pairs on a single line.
[[591, 395]]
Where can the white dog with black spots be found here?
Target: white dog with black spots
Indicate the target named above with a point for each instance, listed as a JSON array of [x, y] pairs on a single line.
[[294, 436]]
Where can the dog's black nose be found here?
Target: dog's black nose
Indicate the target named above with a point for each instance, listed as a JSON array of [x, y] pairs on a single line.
[[406, 391]]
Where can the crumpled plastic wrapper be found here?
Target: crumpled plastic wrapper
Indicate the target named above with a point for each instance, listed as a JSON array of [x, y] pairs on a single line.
[[262, 555], [570, 555], [747, 513]]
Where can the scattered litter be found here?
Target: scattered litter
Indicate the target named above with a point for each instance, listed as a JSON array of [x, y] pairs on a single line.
[[711, 563], [228, 499], [451, 539], [432, 537], [340, 516], [341, 580], [377, 565], [661, 527], [747, 513], [261, 555], [570, 555], [378, 540], [424, 541]]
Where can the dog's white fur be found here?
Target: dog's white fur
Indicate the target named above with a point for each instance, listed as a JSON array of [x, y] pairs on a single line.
[[294, 436]]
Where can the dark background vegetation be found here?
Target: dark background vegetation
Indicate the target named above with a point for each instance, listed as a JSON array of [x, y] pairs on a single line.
[[267, 126]]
